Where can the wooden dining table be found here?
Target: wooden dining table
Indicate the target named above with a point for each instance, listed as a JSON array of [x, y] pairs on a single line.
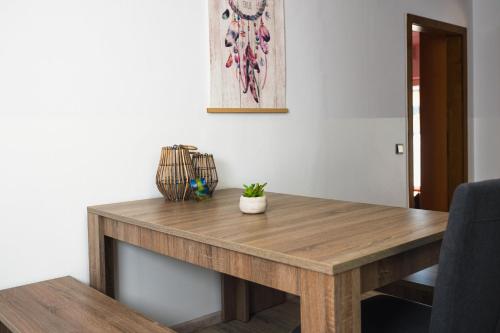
[[328, 252]]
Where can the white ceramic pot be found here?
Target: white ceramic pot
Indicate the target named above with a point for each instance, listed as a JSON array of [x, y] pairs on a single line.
[[253, 205]]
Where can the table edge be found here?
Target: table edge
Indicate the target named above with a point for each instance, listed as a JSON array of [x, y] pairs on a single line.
[[317, 266]]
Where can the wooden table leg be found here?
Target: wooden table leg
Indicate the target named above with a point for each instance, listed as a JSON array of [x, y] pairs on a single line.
[[262, 298], [235, 299], [330, 304], [101, 257], [241, 299]]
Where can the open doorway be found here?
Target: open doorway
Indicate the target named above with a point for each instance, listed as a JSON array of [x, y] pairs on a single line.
[[437, 129], [437, 111]]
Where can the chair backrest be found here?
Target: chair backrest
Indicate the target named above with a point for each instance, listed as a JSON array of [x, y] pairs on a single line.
[[467, 293]]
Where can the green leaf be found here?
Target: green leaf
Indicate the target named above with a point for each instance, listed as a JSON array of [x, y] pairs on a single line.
[[254, 190]]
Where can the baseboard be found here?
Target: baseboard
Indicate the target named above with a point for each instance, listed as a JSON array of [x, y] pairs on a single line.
[[198, 323]]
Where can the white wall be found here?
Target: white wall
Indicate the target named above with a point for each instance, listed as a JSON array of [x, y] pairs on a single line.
[[91, 89], [486, 78]]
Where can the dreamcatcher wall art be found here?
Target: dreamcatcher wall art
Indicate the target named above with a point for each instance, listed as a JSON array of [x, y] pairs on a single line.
[[247, 55]]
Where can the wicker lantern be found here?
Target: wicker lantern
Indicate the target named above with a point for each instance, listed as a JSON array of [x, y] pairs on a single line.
[[204, 167], [175, 172]]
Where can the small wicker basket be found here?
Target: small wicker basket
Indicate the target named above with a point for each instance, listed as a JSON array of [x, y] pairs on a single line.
[[175, 171], [204, 167]]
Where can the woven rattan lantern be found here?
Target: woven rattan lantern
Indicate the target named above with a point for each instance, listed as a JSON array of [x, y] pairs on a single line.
[[175, 171], [204, 167]]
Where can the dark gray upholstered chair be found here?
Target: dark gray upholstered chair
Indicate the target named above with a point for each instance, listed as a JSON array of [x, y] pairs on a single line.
[[467, 293]]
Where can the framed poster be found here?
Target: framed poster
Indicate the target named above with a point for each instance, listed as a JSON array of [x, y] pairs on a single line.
[[247, 56]]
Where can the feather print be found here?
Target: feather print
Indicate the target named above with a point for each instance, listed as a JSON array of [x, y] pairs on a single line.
[[249, 41], [254, 87], [232, 34], [264, 32], [252, 59], [229, 61]]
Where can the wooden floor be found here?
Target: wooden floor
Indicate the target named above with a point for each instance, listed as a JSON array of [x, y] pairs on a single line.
[[280, 319]]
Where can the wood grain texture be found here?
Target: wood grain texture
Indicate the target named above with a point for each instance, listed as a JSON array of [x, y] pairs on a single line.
[[326, 251], [235, 299], [434, 122], [280, 319], [418, 287], [321, 235], [96, 253], [264, 272], [330, 304], [457, 112], [262, 297], [65, 305], [247, 110], [197, 324], [101, 257], [388, 270], [249, 268], [241, 299]]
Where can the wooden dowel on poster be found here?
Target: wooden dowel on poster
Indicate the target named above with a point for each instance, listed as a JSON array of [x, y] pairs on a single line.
[[246, 110]]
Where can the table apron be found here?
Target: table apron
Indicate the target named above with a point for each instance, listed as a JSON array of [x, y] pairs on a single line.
[[391, 269], [263, 271]]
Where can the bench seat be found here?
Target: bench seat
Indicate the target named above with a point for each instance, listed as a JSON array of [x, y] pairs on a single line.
[[66, 305]]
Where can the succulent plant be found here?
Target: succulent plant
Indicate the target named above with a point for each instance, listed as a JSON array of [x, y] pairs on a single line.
[[254, 190]]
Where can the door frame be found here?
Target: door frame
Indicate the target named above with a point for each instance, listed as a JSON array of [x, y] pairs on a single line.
[[430, 25]]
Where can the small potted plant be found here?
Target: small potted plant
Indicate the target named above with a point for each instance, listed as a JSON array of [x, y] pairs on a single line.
[[253, 199]]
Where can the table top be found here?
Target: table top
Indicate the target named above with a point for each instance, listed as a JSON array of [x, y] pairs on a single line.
[[323, 235]]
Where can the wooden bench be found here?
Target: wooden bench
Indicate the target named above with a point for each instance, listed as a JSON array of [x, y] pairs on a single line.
[[66, 305]]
